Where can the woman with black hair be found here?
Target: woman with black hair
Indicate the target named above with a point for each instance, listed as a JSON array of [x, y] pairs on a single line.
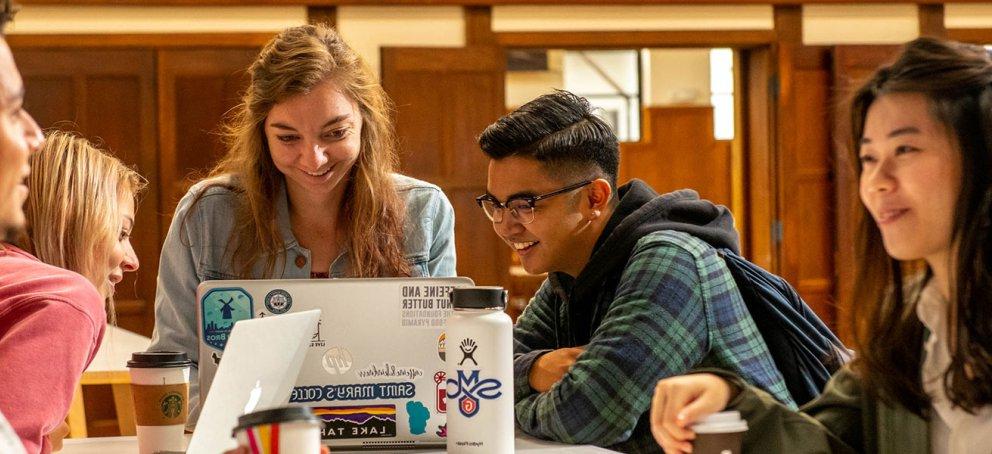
[[922, 378]]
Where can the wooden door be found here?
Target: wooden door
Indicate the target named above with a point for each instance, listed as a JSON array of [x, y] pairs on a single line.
[[678, 150], [444, 99], [757, 131], [804, 173], [109, 97], [852, 66], [159, 111], [197, 88]]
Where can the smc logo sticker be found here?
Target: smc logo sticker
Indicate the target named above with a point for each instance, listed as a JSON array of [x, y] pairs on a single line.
[[469, 389]]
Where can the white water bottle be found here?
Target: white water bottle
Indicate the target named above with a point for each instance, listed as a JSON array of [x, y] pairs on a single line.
[[479, 336]]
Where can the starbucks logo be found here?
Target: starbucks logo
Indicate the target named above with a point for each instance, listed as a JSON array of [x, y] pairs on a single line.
[[171, 405]]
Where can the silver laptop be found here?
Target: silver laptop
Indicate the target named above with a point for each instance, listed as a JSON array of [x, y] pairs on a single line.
[[374, 365], [258, 372]]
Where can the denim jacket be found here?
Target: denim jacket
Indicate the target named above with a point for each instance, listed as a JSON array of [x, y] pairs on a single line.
[[195, 252]]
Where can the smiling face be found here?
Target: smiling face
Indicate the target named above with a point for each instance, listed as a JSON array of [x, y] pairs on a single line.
[[314, 139], [19, 137], [911, 177], [121, 258], [556, 239]]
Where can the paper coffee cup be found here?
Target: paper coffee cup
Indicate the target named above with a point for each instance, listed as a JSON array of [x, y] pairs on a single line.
[[160, 391], [719, 433], [279, 430]]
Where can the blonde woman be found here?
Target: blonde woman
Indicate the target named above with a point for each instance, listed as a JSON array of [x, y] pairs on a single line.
[[307, 190], [53, 287]]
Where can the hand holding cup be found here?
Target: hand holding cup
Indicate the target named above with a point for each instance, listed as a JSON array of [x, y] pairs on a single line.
[[681, 401]]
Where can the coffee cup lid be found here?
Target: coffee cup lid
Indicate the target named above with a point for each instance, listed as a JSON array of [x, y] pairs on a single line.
[[723, 422], [154, 360], [276, 416]]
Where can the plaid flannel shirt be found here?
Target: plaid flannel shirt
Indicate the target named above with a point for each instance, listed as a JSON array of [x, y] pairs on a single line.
[[676, 308]]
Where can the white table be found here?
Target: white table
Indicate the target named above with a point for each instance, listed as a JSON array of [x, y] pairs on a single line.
[[109, 367], [129, 445]]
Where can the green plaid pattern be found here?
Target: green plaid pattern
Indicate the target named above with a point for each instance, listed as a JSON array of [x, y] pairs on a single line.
[[676, 308]]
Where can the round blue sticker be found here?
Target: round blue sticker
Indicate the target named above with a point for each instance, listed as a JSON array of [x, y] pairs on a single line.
[[278, 301]]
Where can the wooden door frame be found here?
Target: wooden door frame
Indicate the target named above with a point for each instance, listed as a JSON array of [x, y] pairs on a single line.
[[120, 62], [758, 150], [138, 40], [153, 130]]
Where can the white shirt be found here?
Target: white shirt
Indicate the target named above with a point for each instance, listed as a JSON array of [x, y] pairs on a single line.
[[952, 430], [10, 443]]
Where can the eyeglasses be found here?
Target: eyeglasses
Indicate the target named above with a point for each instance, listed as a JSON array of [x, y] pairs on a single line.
[[522, 208]]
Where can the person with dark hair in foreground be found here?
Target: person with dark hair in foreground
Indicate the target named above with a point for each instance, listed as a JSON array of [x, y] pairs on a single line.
[[922, 379], [635, 292], [19, 137]]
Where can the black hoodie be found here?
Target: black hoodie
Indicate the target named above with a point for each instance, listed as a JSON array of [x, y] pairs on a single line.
[[640, 211]]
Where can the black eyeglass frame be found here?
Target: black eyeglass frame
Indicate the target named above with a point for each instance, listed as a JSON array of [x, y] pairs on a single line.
[[531, 200]]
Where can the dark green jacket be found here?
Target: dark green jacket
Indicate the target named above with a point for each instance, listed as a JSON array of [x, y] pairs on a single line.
[[842, 420]]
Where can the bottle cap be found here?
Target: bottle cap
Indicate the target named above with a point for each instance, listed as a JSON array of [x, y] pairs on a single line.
[[154, 360], [478, 298]]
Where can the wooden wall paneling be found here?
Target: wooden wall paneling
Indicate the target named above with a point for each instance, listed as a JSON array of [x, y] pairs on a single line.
[[931, 18], [108, 96], [634, 39], [454, 2], [803, 175], [327, 15], [852, 66], [805, 191], [757, 131], [738, 157], [444, 98], [196, 88], [139, 41], [677, 150], [478, 26], [971, 35]]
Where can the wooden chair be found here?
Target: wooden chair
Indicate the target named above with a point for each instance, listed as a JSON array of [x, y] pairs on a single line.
[[109, 367], [120, 383]]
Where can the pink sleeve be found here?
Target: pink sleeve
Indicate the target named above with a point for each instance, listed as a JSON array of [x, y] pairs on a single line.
[[44, 352]]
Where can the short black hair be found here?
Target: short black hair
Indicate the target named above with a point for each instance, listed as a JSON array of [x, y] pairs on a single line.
[[7, 11], [559, 130]]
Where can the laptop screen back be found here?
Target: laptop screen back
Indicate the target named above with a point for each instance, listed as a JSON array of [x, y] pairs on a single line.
[[260, 363], [374, 366]]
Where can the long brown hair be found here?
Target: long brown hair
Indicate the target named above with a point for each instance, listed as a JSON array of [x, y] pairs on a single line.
[[956, 78], [293, 62]]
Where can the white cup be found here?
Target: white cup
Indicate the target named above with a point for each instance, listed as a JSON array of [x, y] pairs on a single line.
[[719, 433], [283, 429], [160, 392]]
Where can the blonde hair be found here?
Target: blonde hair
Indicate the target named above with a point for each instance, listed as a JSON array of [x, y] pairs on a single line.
[[73, 209], [294, 62]]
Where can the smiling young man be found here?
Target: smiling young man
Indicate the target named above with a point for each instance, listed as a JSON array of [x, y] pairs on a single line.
[[51, 319], [635, 292]]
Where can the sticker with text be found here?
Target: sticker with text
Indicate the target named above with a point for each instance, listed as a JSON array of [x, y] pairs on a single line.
[[358, 421], [425, 306], [357, 391]]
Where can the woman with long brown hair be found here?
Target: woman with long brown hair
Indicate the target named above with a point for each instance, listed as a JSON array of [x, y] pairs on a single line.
[[922, 378], [306, 190]]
